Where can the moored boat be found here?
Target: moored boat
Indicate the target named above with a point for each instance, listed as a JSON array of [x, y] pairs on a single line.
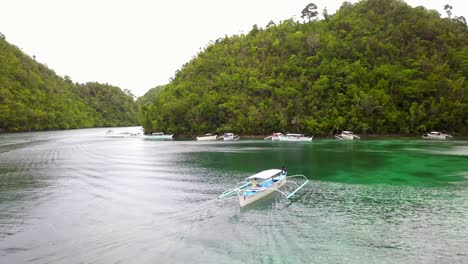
[[274, 136], [229, 136], [347, 135], [294, 137], [207, 137], [159, 136], [262, 184], [436, 135]]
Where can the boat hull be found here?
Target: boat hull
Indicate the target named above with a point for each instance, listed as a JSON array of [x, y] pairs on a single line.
[[274, 137], [296, 139], [207, 138], [165, 137], [441, 137], [231, 138], [246, 200], [345, 137]]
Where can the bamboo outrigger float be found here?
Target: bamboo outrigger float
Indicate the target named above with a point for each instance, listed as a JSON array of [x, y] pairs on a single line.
[[262, 184]]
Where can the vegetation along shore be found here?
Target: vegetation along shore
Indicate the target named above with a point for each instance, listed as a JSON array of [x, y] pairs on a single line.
[[374, 67]]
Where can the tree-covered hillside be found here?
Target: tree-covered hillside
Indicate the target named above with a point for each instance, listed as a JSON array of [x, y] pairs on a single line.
[[377, 66], [148, 97], [144, 102], [33, 97], [115, 108]]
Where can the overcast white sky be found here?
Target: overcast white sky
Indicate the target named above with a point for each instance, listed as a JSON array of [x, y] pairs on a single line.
[[139, 44]]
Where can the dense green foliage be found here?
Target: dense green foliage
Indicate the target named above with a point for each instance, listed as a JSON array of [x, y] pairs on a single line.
[[115, 108], [377, 66], [148, 97], [33, 97], [145, 101]]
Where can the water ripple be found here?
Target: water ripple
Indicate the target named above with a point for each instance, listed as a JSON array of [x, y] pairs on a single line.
[[129, 200]]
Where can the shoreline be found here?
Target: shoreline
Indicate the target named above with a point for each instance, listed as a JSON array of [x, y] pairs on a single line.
[[363, 136], [259, 136]]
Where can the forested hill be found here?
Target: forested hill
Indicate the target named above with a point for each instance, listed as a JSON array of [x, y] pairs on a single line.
[[377, 66], [33, 97]]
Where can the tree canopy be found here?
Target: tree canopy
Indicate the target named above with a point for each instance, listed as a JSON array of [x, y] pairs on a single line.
[[377, 66], [310, 11]]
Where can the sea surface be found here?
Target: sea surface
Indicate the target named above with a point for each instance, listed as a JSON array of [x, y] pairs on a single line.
[[84, 196]]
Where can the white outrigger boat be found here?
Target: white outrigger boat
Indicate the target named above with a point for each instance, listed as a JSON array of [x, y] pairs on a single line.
[[294, 137], [436, 135], [207, 137], [229, 136], [262, 184], [159, 136], [274, 136], [347, 135]]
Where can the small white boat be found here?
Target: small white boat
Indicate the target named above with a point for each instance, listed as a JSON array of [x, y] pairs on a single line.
[[208, 136], [274, 136], [347, 135], [159, 136], [436, 135], [229, 136], [262, 184], [294, 137]]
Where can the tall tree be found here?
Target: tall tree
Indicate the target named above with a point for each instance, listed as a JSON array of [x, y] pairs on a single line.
[[448, 9], [310, 11]]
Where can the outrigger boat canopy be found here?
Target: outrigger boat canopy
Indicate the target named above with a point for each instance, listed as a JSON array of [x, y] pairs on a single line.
[[266, 174]]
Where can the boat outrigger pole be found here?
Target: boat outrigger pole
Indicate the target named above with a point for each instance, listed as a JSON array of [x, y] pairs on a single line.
[[284, 194], [231, 191], [298, 188]]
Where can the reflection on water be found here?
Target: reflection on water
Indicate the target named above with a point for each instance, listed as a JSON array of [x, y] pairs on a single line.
[[79, 196]]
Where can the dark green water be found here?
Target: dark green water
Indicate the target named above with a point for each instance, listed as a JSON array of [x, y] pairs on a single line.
[[80, 197]]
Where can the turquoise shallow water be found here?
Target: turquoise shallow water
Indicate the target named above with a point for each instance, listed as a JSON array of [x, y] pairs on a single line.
[[81, 197]]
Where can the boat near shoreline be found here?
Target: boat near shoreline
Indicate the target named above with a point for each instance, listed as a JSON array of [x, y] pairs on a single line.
[[347, 135], [436, 135], [158, 136], [294, 137], [275, 136], [207, 137], [229, 137]]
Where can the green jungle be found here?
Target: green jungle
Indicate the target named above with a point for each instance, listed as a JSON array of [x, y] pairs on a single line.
[[374, 67], [33, 97]]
